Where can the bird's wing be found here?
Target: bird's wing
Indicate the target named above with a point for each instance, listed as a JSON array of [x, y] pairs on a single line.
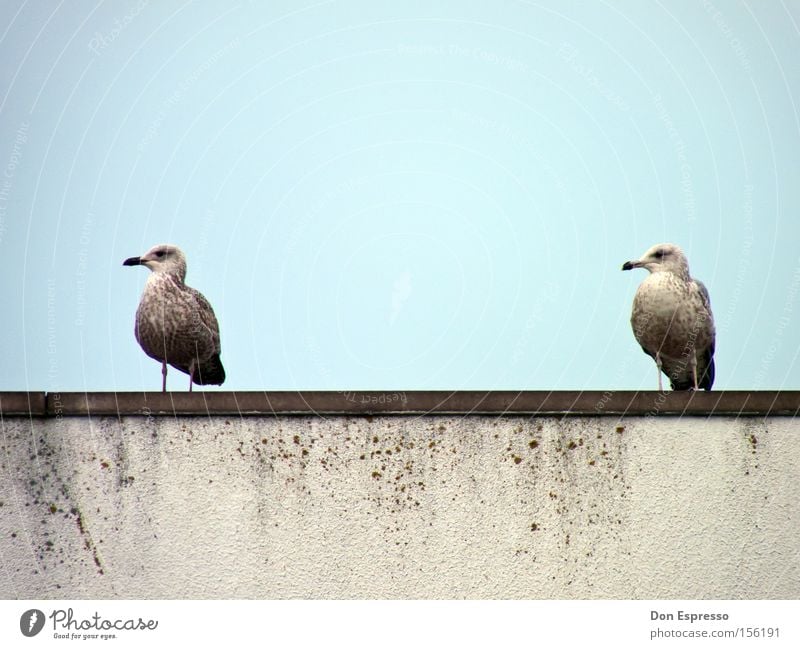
[[703, 294], [703, 291], [207, 317], [706, 368]]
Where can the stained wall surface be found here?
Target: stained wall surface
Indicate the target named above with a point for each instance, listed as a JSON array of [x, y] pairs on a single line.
[[473, 506]]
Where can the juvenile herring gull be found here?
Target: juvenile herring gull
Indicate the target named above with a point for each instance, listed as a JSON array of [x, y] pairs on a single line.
[[672, 319], [175, 324]]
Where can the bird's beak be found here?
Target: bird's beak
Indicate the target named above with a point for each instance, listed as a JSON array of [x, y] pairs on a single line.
[[132, 261], [629, 265]]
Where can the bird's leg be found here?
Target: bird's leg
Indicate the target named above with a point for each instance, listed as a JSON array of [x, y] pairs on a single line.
[[164, 376], [191, 374], [658, 365], [693, 361]]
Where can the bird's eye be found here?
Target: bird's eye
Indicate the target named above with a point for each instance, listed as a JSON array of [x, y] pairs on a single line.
[[160, 253], [659, 254]]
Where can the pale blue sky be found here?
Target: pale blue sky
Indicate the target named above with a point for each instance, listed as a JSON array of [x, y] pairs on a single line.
[[405, 195]]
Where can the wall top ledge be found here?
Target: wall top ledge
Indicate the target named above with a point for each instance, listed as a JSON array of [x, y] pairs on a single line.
[[784, 403]]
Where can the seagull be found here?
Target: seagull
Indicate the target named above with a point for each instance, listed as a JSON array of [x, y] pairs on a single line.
[[175, 324], [672, 319]]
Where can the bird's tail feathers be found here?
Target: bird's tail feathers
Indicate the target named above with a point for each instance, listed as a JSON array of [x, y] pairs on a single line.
[[705, 375], [209, 373], [706, 379]]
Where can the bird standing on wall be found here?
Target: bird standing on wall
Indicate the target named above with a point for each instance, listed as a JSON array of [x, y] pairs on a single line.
[[175, 324], [672, 319]]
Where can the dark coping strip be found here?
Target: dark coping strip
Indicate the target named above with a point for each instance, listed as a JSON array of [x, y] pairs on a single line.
[[26, 404], [563, 403]]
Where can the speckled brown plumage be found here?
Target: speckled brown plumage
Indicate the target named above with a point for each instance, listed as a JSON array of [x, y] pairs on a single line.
[[175, 324], [672, 319]]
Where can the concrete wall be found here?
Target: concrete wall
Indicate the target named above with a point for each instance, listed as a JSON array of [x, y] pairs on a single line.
[[387, 506]]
